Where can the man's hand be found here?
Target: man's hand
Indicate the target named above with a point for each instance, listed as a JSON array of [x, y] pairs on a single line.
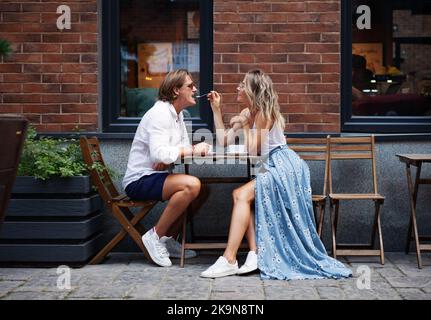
[[201, 149], [161, 166]]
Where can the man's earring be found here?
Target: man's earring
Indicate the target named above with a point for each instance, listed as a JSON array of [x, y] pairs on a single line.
[[175, 96]]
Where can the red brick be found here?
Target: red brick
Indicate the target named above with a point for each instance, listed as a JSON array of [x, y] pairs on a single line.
[[67, 58], [80, 68], [88, 118], [24, 57], [89, 98], [79, 108], [41, 88], [60, 118], [73, 47], [41, 47], [41, 108], [305, 118], [21, 17], [61, 98], [10, 87], [89, 78], [304, 78], [323, 88], [61, 37], [10, 109], [21, 98], [237, 58], [273, 57], [79, 88], [21, 77], [10, 67]]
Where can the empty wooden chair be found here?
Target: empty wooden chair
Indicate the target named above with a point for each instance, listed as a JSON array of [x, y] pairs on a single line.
[[119, 204], [314, 149], [355, 148]]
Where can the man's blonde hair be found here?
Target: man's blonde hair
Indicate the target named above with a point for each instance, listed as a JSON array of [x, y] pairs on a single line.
[[174, 79]]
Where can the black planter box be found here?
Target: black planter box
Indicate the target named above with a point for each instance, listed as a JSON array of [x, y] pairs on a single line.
[[56, 220]]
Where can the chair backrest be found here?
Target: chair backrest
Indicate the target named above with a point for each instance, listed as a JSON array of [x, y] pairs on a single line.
[[312, 149], [350, 148], [12, 135], [98, 171]]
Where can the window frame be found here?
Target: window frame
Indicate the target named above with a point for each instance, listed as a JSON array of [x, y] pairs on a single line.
[[375, 124], [112, 122]]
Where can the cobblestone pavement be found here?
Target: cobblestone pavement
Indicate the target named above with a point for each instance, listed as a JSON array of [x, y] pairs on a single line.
[[130, 276]]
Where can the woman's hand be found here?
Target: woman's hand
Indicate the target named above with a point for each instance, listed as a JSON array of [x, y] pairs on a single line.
[[214, 99], [238, 122], [161, 166]]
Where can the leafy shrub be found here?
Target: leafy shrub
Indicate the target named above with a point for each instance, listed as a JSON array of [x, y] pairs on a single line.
[[5, 48], [44, 158]]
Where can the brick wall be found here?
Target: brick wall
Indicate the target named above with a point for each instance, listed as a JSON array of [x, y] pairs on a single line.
[[51, 77], [296, 42]]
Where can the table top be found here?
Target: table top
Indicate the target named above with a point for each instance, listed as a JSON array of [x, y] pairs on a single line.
[[224, 156], [415, 157]]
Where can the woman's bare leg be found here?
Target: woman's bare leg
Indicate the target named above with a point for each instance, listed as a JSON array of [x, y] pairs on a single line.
[[240, 221], [250, 234], [181, 190]]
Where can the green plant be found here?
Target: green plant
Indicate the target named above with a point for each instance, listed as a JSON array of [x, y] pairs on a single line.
[[48, 157], [5, 48]]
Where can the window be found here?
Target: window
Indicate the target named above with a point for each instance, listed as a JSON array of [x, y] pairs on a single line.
[[386, 69], [142, 40]]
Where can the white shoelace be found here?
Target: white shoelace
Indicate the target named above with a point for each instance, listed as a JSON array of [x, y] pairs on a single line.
[[161, 249]]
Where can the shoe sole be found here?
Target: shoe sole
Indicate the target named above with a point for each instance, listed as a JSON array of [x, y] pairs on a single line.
[[247, 271], [224, 274], [147, 253]]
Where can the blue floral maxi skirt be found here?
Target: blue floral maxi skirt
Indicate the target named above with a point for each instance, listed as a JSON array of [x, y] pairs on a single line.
[[288, 244]]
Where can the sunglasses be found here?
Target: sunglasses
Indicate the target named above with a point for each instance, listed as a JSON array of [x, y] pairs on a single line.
[[241, 85], [191, 85]]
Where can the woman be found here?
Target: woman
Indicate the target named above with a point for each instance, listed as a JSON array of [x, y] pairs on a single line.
[[161, 138], [285, 244]]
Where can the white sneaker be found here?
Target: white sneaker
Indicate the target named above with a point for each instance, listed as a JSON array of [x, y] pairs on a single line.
[[221, 268], [156, 248], [174, 248], [250, 263]]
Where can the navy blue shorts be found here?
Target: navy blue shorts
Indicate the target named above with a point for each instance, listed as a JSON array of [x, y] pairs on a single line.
[[149, 187]]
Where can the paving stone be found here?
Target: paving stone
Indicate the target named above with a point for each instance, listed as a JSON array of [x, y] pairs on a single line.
[[331, 293], [277, 293], [7, 286], [409, 282], [29, 295], [18, 273], [414, 294]]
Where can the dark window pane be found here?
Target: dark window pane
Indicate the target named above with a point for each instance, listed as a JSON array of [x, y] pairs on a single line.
[[391, 65], [156, 36]]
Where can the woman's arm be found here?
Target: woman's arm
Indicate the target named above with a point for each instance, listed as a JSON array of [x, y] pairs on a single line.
[[253, 137], [224, 137]]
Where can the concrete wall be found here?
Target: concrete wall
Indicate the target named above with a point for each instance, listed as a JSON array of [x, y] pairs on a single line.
[[356, 218]]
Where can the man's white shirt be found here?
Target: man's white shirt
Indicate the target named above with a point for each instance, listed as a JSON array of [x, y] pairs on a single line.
[[159, 137]]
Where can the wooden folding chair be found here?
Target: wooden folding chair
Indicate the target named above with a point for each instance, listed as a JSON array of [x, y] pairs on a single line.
[[314, 149], [119, 204], [359, 148]]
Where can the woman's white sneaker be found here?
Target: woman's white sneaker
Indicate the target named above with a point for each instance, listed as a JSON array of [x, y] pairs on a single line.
[[156, 248], [221, 268], [250, 263]]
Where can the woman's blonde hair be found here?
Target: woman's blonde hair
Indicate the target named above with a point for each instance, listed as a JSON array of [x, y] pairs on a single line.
[[260, 91], [174, 79]]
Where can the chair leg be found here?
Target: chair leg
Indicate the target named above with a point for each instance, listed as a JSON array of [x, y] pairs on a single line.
[[321, 219], [333, 230], [379, 228], [130, 229], [120, 236], [183, 241]]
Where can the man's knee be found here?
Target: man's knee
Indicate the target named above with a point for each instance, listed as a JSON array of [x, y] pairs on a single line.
[[193, 186]]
